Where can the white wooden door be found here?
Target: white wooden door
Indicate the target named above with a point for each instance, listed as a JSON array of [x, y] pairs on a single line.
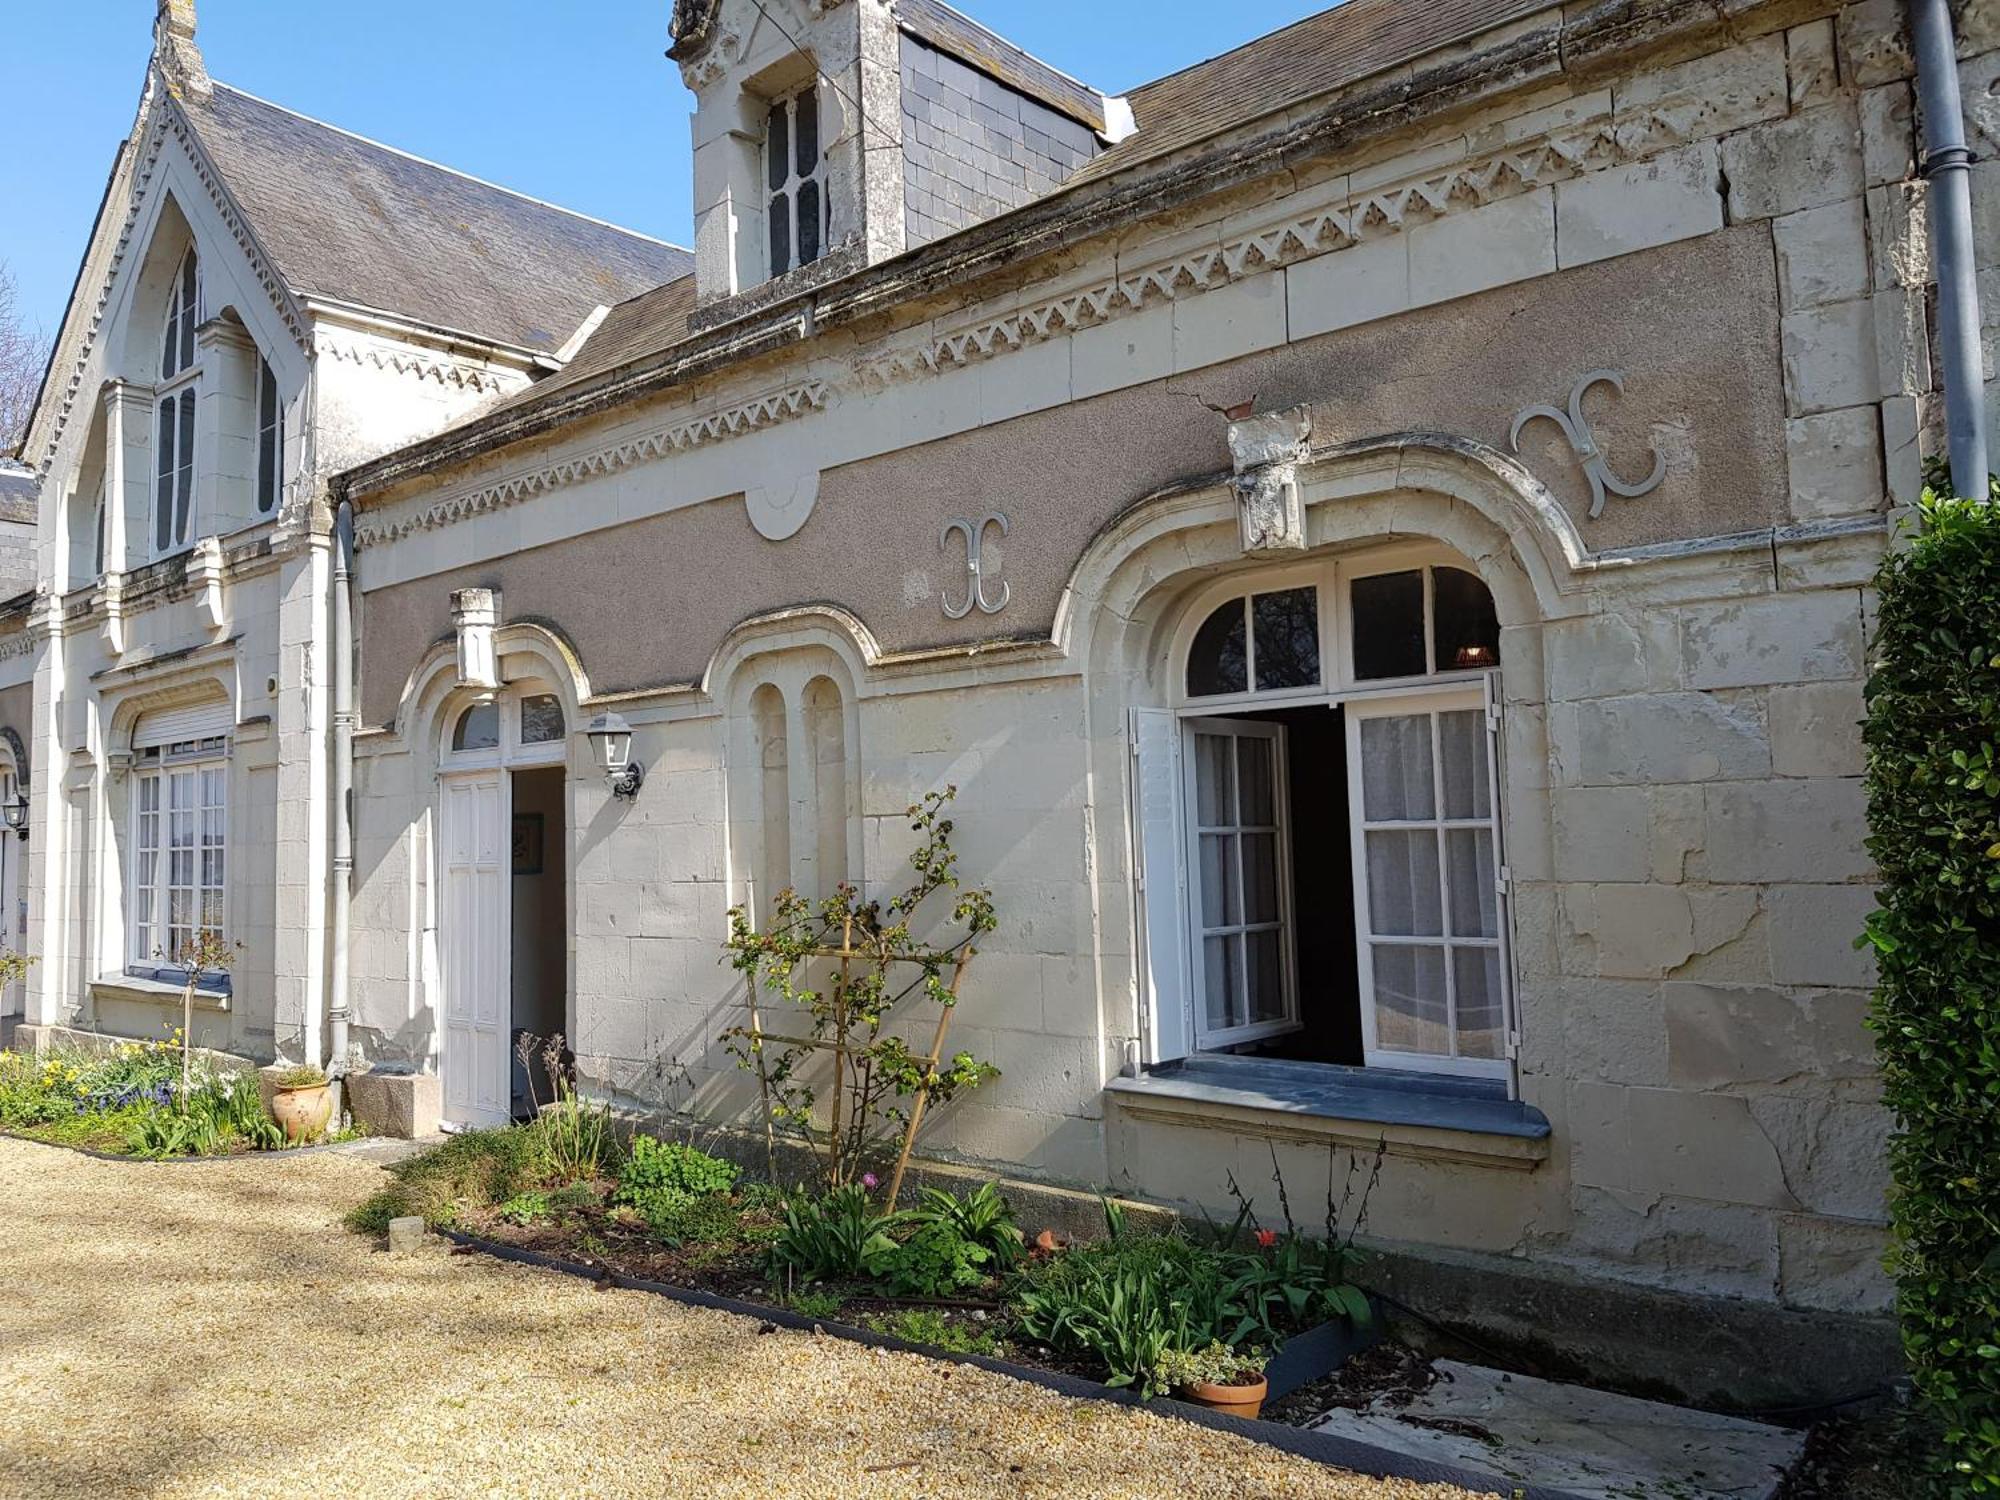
[[474, 864]]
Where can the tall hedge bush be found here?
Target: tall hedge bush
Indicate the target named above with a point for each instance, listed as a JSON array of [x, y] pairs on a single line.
[[1933, 776]]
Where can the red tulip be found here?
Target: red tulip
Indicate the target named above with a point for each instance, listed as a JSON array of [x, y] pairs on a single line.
[[1266, 1238]]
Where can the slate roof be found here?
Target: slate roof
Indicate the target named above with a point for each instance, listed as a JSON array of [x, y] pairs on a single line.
[[1320, 53], [18, 489], [974, 45], [648, 322], [351, 220]]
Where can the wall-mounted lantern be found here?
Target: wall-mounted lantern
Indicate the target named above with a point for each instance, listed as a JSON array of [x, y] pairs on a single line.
[[15, 811], [611, 740]]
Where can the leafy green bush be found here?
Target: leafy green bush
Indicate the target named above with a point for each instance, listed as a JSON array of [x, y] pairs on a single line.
[[680, 1191], [1933, 777], [935, 1261], [981, 1217], [837, 1237], [925, 1325]]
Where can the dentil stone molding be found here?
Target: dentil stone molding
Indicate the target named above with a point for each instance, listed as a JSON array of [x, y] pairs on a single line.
[[692, 432], [416, 364]]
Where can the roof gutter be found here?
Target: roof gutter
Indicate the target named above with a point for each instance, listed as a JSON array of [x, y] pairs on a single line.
[[1946, 164]]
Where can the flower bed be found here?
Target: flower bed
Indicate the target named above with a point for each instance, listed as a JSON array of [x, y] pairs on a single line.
[[141, 1099], [952, 1272]]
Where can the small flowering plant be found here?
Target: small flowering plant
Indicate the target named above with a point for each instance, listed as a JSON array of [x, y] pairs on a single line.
[[1214, 1364]]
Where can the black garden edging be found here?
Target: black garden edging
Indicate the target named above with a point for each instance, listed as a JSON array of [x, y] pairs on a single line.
[[1320, 1447]]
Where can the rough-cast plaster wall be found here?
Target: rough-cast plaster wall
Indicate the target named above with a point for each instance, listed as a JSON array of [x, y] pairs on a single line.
[[1702, 397]]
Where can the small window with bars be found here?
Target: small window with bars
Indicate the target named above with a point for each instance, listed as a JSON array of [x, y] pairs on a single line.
[[795, 174]]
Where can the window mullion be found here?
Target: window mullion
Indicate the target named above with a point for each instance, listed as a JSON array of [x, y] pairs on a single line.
[[1444, 878]]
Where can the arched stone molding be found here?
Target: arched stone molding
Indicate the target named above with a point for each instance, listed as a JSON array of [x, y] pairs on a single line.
[[526, 650], [826, 627], [14, 756], [212, 684]]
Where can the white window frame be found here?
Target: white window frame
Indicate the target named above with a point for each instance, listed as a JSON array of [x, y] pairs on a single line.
[[510, 752], [177, 396], [148, 944], [788, 189], [1338, 687], [1432, 706], [1207, 1038]]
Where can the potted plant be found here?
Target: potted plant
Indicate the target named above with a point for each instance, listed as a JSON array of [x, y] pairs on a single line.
[[302, 1102], [1217, 1377]]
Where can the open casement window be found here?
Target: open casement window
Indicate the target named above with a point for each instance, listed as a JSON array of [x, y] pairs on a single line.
[[1427, 882], [795, 174], [1317, 824], [174, 411], [1240, 897], [180, 839]]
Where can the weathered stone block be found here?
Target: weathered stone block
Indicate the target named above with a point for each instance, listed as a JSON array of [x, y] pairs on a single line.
[[1816, 729], [1834, 1264], [1726, 1036], [1888, 136], [1809, 57], [1813, 928], [1799, 162], [1652, 202], [1716, 92], [1356, 285], [1719, 1249], [1835, 1153], [1786, 638], [1646, 931], [1829, 356], [407, 1235], [404, 1105], [1612, 1031], [1603, 833], [1785, 830], [1874, 43], [1663, 738], [1836, 463], [1682, 1145], [1609, 654], [1822, 254], [1513, 239]]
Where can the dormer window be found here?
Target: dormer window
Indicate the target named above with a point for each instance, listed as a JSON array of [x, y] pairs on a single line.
[[173, 473], [795, 172]]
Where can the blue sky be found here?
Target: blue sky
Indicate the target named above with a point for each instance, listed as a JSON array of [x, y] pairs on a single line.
[[569, 102]]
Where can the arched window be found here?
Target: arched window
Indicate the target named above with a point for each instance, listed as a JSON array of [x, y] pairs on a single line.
[[478, 728], [524, 725], [1335, 816], [270, 440], [173, 468]]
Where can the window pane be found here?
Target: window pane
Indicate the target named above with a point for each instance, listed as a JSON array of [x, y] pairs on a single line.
[[1221, 901], [1260, 877], [1216, 660], [1410, 1010], [190, 300], [1215, 779], [267, 437], [780, 217], [1287, 633], [808, 196], [1477, 998], [541, 719], [1266, 989], [777, 146], [1389, 625], [267, 463], [1396, 768], [1256, 764], [1223, 993], [184, 485], [1475, 910], [478, 728], [805, 115], [1462, 750], [163, 477], [1464, 625], [1403, 899]]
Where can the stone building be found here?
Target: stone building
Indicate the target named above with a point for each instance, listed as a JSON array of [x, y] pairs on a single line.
[[1377, 527]]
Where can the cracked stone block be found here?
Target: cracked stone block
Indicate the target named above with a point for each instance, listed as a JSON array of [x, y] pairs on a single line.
[[1654, 202], [1675, 1144], [1727, 1036], [1798, 162], [1829, 356], [1720, 1249], [1888, 136], [1610, 655], [1660, 738], [1836, 463], [1833, 1264], [1835, 1153], [1647, 931], [1822, 254]]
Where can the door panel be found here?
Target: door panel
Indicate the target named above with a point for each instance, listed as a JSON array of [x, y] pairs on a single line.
[[474, 865]]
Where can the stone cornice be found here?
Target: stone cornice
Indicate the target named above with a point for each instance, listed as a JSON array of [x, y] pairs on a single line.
[[418, 364], [686, 432]]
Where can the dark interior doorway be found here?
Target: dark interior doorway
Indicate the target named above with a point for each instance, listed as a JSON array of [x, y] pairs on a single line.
[[540, 937]]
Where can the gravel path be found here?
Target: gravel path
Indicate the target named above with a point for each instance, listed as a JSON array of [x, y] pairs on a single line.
[[209, 1329]]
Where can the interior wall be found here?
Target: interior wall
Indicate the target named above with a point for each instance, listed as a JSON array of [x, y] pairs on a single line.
[[540, 927]]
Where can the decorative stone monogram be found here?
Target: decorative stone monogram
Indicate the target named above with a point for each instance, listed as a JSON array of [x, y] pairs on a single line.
[[1576, 428], [976, 560], [1267, 452]]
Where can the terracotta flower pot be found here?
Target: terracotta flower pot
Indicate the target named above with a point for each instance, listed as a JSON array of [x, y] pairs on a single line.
[[1231, 1400], [303, 1112]]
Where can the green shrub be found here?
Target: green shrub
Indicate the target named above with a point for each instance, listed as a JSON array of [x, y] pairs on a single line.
[[680, 1191], [982, 1217], [1933, 777], [935, 1261], [834, 1238]]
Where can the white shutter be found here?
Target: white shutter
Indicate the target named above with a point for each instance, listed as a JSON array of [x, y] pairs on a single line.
[[1167, 1014], [167, 726], [1503, 883]]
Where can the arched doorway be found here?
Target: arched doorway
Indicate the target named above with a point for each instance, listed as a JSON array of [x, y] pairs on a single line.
[[503, 897]]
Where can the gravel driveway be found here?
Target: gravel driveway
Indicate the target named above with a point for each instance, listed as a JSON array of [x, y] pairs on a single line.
[[210, 1329]]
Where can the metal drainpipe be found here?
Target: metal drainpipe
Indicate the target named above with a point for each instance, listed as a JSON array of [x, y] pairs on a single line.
[[1946, 164], [343, 775]]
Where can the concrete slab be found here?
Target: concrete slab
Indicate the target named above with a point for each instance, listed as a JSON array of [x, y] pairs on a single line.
[[1591, 1444]]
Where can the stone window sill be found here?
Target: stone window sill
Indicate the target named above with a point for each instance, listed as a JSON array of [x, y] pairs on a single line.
[[134, 990], [1417, 1115]]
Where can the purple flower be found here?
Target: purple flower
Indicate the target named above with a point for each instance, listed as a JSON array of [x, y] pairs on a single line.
[[870, 1181]]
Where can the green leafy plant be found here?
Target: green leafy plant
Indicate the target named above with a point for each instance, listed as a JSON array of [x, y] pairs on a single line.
[[837, 1237], [1213, 1364], [814, 1302], [526, 1208], [1118, 1310], [925, 1325], [681, 1192], [982, 1217], [1932, 737], [935, 1261], [570, 1136], [835, 967], [303, 1076]]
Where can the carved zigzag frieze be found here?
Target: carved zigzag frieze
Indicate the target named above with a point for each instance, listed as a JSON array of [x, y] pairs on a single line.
[[434, 368], [748, 416]]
